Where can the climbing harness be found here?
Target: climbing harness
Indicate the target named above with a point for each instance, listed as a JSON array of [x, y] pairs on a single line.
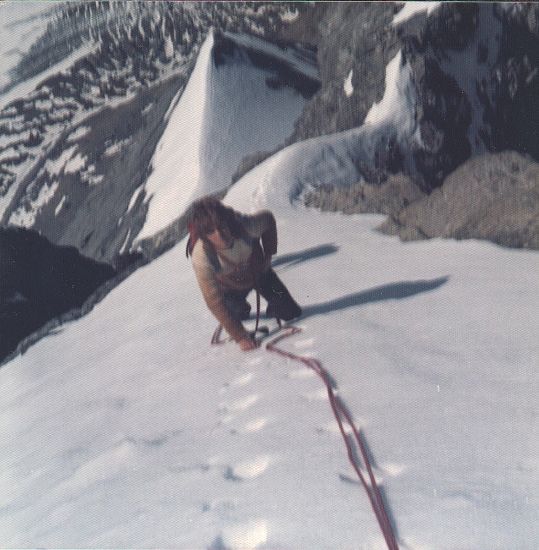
[[353, 441]]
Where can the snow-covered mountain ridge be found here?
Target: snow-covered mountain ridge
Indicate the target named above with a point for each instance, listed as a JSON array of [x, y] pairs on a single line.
[[128, 67], [465, 96], [92, 186], [89, 153], [84, 144]]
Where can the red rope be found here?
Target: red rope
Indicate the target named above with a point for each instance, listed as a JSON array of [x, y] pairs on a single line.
[[342, 415]]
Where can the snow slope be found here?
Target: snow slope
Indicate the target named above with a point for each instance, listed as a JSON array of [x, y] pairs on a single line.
[[127, 429], [333, 159], [226, 112], [214, 141]]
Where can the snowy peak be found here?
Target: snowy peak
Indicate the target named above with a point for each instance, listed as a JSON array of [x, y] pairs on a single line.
[[241, 100], [245, 72], [91, 57]]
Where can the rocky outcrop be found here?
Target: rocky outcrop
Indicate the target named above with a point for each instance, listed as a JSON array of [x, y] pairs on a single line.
[[511, 110], [93, 172], [351, 37], [492, 196], [40, 281], [390, 197], [474, 66]]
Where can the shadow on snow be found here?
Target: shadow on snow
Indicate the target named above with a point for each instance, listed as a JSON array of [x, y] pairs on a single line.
[[392, 291], [308, 254]]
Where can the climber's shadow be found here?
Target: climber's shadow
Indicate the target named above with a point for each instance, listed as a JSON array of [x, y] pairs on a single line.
[[392, 291], [308, 254]]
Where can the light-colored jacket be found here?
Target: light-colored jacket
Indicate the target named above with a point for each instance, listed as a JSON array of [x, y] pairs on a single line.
[[235, 268]]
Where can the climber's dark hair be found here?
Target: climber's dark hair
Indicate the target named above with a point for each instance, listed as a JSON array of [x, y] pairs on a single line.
[[205, 216]]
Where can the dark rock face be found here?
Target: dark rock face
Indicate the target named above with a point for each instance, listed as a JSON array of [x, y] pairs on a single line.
[[40, 281], [444, 115], [492, 196], [475, 69], [512, 110], [350, 37]]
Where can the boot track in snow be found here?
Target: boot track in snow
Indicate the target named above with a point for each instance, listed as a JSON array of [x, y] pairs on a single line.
[[352, 441]]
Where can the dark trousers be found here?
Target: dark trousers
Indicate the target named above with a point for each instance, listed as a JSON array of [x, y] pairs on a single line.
[[280, 303]]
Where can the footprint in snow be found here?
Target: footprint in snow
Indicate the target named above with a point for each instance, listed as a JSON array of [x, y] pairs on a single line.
[[318, 395], [242, 380], [238, 382], [244, 536], [301, 373], [249, 469], [254, 425], [239, 405], [392, 469], [250, 427]]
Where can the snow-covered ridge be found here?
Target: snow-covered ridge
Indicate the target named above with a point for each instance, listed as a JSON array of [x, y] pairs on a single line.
[[211, 160], [226, 112], [334, 159], [105, 54]]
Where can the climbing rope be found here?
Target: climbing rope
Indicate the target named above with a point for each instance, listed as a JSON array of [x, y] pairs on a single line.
[[353, 441], [343, 417]]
